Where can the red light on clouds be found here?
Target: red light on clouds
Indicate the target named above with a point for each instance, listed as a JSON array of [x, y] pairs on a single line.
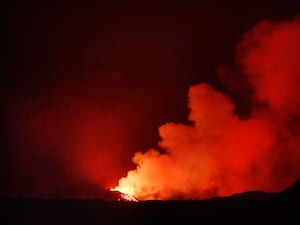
[[75, 132], [221, 154]]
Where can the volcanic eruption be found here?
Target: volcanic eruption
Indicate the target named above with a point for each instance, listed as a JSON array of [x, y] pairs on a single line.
[[219, 152]]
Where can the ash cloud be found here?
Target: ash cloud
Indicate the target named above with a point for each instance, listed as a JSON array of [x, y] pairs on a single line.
[[220, 153]]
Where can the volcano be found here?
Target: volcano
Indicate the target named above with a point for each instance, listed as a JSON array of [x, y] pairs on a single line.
[[252, 207]]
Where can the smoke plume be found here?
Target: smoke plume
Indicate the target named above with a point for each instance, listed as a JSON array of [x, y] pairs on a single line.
[[220, 153]]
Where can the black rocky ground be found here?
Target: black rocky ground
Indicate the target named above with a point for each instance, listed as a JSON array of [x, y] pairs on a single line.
[[252, 207]]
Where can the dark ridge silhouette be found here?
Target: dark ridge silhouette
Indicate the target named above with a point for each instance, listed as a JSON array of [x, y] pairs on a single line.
[[255, 194], [291, 193], [252, 207]]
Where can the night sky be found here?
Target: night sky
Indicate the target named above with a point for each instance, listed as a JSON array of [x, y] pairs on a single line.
[[86, 86]]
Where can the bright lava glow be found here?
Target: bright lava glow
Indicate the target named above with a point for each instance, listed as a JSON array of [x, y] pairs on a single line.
[[126, 194]]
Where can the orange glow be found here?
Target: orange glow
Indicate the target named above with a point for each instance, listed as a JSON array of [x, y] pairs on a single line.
[[220, 154], [127, 193]]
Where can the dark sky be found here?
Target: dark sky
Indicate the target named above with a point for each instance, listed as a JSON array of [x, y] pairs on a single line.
[[86, 86]]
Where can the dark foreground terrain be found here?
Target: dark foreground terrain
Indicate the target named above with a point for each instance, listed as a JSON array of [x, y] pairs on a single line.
[[247, 208]]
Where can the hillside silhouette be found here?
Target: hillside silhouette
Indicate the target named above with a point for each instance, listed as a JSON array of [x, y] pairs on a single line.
[[252, 207]]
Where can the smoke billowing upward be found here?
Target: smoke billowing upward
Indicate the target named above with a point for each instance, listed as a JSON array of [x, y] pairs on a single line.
[[219, 153]]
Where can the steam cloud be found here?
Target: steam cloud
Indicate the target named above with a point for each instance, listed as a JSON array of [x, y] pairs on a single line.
[[220, 153]]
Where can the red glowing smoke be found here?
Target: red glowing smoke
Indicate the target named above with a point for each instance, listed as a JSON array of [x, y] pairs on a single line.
[[219, 153]]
